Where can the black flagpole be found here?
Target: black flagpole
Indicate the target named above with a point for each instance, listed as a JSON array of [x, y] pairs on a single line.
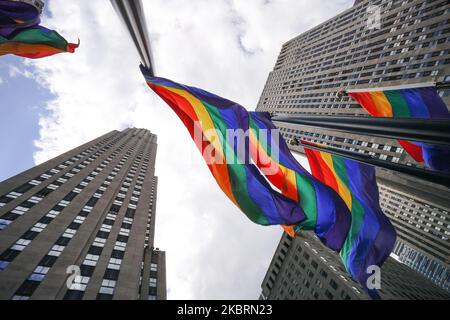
[[434, 131]]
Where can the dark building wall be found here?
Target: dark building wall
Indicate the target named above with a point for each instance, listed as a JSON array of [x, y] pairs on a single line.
[[96, 218], [303, 269]]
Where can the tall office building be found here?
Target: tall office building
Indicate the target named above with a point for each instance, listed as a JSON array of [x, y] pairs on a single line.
[[303, 269], [411, 45], [82, 225], [409, 42]]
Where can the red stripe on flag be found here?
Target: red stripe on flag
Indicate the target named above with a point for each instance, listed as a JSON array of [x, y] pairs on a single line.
[[320, 169], [414, 150], [366, 101]]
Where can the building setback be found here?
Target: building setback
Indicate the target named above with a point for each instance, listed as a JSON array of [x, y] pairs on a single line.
[[303, 269], [411, 45], [82, 225]]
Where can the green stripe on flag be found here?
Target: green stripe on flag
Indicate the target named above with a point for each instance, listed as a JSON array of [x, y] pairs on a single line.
[[358, 213], [400, 108], [308, 202], [38, 36], [237, 171]]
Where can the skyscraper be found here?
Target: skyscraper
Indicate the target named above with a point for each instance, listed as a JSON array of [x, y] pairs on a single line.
[[303, 269], [410, 45], [82, 225], [372, 44]]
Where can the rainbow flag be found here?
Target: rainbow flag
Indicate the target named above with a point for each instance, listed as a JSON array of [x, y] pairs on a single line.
[[411, 101], [207, 118], [326, 213], [372, 236], [15, 16], [36, 42]]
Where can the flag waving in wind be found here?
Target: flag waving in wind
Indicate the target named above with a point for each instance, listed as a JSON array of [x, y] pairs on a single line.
[[210, 116], [372, 236], [314, 207], [21, 34], [410, 101]]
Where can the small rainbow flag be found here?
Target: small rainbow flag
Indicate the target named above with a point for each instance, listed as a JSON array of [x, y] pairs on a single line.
[[372, 236], [409, 101], [35, 42]]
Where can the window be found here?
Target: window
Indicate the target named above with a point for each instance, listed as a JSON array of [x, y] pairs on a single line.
[[38, 227], [114, 263], [20, 244], [152, 282], [56, 250], [99, 242], [39, 273], [81, 284], [69, 233], [333, 284], [107, 287], [91, 260], [120, 246], [69, 197]]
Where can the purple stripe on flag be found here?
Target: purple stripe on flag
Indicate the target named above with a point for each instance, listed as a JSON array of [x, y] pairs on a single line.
[[436, 107]]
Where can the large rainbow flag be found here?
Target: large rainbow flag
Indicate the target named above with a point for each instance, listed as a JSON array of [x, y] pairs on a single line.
[[21, 35], [409, 101], [372, 236], [315, 207], [243, 184]]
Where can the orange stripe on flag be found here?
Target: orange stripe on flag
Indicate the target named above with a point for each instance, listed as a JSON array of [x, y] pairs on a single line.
[[384, 108]]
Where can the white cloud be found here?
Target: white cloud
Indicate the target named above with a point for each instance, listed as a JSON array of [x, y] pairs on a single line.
[[224, 46], [1, 81], [14, 72]]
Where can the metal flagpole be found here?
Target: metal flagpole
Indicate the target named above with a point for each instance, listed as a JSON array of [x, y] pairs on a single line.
[[434, 131], [132, 14]]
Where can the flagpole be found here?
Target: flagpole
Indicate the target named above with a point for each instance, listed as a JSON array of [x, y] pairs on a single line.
[[434, 131], [132, 15]]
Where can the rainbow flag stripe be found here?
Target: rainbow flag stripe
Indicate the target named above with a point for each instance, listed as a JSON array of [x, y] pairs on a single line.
[[240, 180], [326, 213], [412, 101], [372, 236], [15, 16], [35, 42]]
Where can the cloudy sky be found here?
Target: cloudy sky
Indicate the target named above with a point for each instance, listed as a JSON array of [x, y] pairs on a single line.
[[227, 47]]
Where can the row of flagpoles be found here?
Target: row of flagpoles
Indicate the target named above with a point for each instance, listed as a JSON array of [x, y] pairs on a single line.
[[434, 131]]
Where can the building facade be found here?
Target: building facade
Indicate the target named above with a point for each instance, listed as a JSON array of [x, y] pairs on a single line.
[[82, 225], [408, 42], [411, 44], [303, 269]]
